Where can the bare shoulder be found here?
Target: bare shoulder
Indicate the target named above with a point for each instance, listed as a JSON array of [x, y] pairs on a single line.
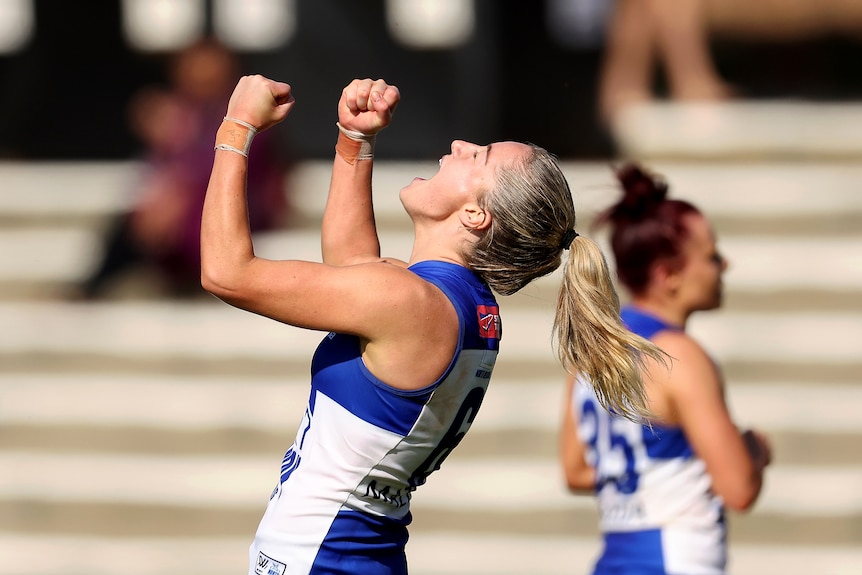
[[396, 262], [412, 337], [692, 371], [680, 346]]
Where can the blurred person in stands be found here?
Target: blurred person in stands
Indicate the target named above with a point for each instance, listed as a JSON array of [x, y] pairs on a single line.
[[411, 346], [644, 33], [161, 230], [662, 485]]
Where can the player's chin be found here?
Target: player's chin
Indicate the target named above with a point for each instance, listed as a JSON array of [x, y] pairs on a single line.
[[413, 183], [711, 303], [417, 181], [717, 301]]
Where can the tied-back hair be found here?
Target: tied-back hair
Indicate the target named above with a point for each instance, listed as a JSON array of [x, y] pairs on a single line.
[[646, 226], [531, 210], [591, 338]]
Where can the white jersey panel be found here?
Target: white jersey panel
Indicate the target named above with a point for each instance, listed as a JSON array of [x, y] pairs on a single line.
[[694, 551], [313, 497], [442, 423]]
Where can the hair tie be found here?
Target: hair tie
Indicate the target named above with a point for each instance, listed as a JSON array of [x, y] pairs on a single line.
[[568, 238]]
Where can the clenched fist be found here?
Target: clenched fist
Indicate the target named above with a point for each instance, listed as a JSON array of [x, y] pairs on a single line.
[[260, 101], [367, 105]]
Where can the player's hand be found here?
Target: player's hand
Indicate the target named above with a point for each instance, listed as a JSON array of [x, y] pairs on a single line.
[[367, 105], [758, 447], [260, 101]]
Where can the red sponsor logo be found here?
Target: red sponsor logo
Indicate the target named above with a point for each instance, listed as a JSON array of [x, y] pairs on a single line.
[[489, 321]]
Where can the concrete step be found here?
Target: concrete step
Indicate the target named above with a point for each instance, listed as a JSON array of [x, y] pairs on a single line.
[[821, 446], [55, 191], [751, 130], [778, 188], [727, 190], [43, 260], [158, 331], [216, 496], [137, 402], [236, 482], [466, 553]]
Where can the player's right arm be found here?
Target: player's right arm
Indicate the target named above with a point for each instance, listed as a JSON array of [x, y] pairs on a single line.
[[580, 476]]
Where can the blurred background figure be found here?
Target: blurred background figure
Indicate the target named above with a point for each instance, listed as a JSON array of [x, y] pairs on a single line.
[[161, 230], [662, 486], [646, 34]]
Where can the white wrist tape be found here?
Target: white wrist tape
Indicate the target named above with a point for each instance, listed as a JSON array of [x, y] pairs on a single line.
[[358, 146]]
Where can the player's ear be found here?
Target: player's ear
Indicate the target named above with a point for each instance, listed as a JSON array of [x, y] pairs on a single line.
[[667, 275], [475, 218]]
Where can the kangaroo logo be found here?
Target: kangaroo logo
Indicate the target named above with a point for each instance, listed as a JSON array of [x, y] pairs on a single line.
[[489, 321]]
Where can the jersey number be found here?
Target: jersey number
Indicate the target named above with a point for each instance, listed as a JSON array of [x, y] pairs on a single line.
[[463, 419], [607, 442]]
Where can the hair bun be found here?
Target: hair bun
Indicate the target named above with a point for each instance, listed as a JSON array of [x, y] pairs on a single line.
[[642, 193]]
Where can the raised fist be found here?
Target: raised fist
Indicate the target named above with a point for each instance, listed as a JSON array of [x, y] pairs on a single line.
[[260, 101], [367, 105]]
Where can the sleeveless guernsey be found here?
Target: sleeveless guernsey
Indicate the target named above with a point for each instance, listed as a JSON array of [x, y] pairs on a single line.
[[342, 503], [657, 513]]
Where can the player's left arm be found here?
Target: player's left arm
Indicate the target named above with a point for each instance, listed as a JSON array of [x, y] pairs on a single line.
[[698, 403], [349, 232]]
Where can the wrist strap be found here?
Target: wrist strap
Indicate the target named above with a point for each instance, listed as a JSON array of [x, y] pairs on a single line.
[[352, 145], [235, 136]]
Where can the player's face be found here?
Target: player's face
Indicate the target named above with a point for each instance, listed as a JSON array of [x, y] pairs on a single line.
[[464, 175], [700, 285]]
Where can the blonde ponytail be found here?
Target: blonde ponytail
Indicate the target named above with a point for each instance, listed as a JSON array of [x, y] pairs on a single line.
[[592, 340], [533, 222]]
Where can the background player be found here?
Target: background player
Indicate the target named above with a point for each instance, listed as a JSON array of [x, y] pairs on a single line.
[[662, 486]]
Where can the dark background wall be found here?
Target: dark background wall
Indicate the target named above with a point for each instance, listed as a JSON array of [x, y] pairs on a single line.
[[64, 96]]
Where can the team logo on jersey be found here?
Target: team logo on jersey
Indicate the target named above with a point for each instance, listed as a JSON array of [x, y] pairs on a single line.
[[489, 321], [265, 565]]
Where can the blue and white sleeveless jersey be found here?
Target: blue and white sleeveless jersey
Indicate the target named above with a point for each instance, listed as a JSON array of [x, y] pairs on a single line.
[[342, 504], [657, 512]]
